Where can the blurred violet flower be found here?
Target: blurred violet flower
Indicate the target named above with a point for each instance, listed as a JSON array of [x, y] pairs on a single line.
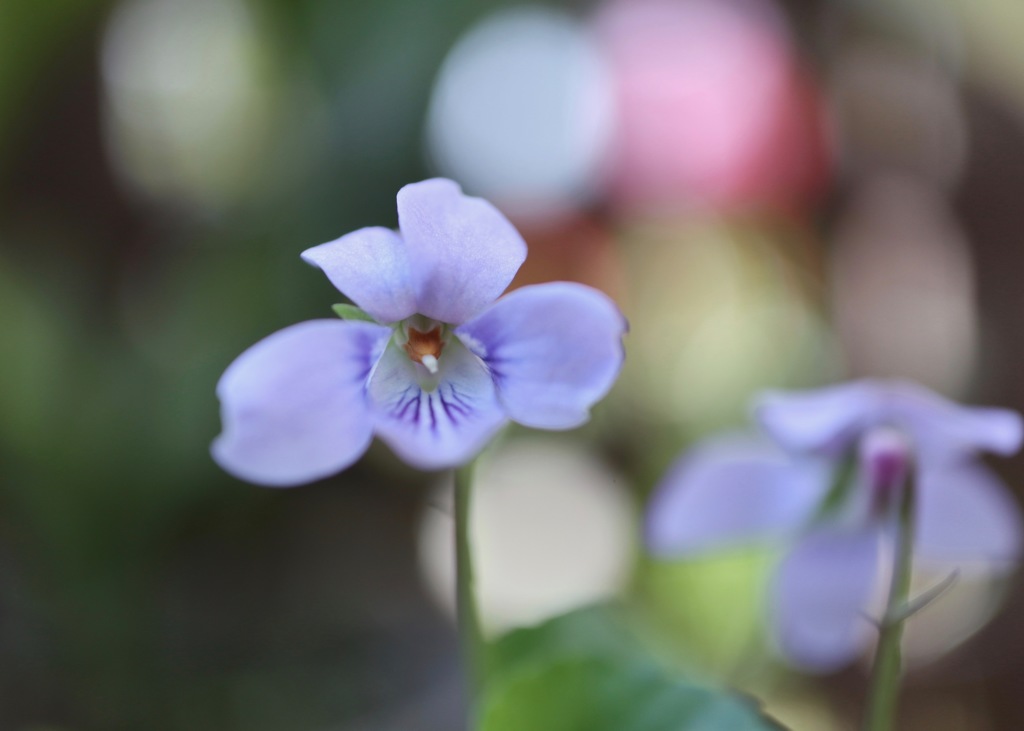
[[430, 363], [740, 489]]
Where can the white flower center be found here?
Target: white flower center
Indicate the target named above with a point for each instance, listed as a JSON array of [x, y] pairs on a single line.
[[423, 340]]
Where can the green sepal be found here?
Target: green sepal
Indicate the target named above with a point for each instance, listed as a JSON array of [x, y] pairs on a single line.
[[351, 312]]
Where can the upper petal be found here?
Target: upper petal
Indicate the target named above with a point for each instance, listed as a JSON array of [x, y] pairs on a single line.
[[440, 427], [820, 595], [729, 491], [294, 404], [945, 430], [823, 420], [554, 350], [964, 512], [371, 267], [463, 251], [827, 420]]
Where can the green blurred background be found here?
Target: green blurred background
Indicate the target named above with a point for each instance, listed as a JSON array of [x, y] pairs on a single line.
[[163, 163]]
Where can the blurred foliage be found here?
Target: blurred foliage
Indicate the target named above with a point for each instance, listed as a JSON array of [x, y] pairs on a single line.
[[583, 672], [600, 695], [32, 34], [599, 630], [710, 612]]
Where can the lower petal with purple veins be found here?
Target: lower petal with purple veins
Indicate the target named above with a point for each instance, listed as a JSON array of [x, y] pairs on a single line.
[[434, 420]]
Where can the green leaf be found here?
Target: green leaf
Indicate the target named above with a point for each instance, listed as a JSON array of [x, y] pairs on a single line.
[[594, 631], [351, 312], [600, 694], [588, 671]]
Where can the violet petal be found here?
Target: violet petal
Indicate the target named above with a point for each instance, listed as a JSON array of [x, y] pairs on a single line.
[[944, 430], [463, 252], [553, 349], [822, 421], [964, 512], [821, 595], [371, 267], [294, 406], [439, 427], [730, 491]]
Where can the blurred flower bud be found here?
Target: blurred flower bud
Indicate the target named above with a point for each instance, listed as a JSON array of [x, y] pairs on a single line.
[[885, 456]]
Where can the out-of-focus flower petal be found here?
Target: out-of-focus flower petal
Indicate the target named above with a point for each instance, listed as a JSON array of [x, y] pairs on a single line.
[[964, 512], [945, 430], [463, 252], [440, 427], [826, 420], [732, 490], [294, 406], [823, 420], [371, 267], [553, 349], [821, 593]]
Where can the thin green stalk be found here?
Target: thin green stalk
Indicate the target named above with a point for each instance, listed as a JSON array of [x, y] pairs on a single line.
[[470, 633], [885, 675]]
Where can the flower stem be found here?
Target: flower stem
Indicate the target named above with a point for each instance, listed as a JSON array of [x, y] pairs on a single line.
[[885, 675], [471, 637]]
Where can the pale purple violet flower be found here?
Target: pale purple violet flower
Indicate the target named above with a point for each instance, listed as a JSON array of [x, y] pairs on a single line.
[[741, 489], [441, 367]]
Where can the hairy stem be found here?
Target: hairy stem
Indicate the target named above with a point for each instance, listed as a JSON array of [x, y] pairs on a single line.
[[885, 675], [470, 634]]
